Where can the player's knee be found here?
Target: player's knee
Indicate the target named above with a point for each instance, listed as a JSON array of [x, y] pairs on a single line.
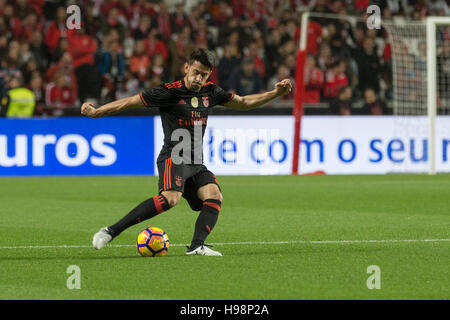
[[173, 201], [217, 195], [173, 197]]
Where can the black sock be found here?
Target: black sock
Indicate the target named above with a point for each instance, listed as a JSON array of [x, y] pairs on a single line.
[[146, 210], [206, 221]]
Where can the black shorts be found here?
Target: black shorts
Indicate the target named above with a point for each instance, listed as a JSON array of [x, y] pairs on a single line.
[[186, 179]]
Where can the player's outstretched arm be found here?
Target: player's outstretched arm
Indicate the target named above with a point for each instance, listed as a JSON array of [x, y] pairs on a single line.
[[255, 100], [88, 109]]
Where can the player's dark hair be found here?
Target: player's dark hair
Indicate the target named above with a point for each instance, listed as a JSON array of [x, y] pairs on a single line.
[[204, 56]]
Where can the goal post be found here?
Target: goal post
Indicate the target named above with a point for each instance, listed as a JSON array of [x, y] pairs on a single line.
[[299, 93], [431, 26], [419, 87]]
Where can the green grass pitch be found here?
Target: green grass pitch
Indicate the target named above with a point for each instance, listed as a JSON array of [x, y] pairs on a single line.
[[282, 237]]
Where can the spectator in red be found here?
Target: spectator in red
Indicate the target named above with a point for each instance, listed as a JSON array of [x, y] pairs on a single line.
[[143, 7], [252, 11], [108, 5], [313, 37], [203, 37], [12, 22], [154, 44], [163, 21], [60, 95], [30, 24], [361, 5], [223, 13], [56, 30], [335, 79], [421, 8], [314, 81], [126, 11], [139, 61], [82, 48], [259, 65], [63, 66], [37, 6], [158, 67], [238, 7]]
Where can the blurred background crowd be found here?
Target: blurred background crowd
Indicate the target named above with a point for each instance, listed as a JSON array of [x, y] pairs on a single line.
[[124, 46]]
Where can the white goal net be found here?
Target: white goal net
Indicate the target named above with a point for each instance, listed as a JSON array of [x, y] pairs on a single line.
[[408, 42], [421, 79], [407, 62]]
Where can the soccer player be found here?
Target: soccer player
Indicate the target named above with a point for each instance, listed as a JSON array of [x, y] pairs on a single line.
[[184, 107]]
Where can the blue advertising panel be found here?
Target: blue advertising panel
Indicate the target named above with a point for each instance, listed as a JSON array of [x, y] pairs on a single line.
[[77, 146]]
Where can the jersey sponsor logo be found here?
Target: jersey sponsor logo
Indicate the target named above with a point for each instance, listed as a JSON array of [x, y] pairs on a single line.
[[194, 102], [186, 122], [178, 181], [206, 101]]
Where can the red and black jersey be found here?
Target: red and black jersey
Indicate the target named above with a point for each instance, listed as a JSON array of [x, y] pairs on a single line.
[[181, 108]]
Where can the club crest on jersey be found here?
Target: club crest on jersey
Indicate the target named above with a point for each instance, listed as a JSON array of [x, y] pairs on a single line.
[[194, 102], [206, 101], [178, 181]]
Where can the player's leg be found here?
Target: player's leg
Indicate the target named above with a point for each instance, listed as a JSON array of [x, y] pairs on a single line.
[[210, 197], [145, 210]]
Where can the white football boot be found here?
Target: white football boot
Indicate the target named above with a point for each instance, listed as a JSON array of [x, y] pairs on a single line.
[[101, 238], [203, 251]]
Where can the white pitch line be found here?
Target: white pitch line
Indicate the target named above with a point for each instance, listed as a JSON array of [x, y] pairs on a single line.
[[240, 243]]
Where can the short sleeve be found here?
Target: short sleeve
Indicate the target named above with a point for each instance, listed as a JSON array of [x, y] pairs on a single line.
[[220, 96], [156, 97]]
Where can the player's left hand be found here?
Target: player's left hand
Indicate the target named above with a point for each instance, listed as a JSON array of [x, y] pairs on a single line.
[[283, 87]]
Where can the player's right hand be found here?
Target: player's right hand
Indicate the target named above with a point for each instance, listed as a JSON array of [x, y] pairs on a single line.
[[87, 109]]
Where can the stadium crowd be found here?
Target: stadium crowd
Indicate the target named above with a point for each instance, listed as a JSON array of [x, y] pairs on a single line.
[[124, 46]]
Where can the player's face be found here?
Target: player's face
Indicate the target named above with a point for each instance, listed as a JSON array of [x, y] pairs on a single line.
[[196, 75]]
